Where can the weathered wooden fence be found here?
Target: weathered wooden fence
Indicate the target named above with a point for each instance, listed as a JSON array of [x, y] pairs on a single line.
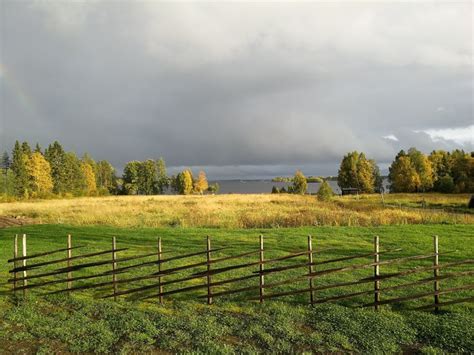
[[119, 280]]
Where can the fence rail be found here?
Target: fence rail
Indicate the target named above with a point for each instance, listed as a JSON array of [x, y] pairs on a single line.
[[122, 283]]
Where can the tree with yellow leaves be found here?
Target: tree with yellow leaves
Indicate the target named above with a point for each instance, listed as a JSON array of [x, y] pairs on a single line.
[[201, 185], [403, 175], [89, 177], [39, 174]]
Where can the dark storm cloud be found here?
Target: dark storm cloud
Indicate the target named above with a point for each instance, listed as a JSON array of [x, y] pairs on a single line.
[[242, 89]]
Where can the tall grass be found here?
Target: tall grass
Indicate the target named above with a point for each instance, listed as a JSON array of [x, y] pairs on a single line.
[[246, 211]]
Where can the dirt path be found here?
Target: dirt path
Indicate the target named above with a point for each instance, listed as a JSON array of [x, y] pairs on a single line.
[[6, 221]]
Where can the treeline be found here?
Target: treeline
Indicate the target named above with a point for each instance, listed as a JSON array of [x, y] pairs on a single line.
[[34, 173], [309, 179], [441, 171], [38, 173], [411, 171], [149, 177]]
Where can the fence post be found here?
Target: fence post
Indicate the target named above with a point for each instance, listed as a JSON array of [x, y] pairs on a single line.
[[160, 287], [376, 273], [310, 259], [15, 263], [436, 272], [262, 278], [209, 293], [69, 262], [25, 281], [114, 266]]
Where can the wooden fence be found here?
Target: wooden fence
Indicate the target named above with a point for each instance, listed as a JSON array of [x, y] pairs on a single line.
[[24, 273]]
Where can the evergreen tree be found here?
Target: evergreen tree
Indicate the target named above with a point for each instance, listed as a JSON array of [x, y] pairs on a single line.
[[26, 149], [201, 184], [39, 175], [38, 149], [5, 162], [325, 192], [18, 166], [299, 183], [7, 180], [56, 157], [75, 181]]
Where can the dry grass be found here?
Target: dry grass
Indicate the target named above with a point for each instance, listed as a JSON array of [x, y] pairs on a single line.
[[244, 211]]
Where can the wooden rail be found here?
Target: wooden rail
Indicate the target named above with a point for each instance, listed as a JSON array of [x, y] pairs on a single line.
[[204, 267]]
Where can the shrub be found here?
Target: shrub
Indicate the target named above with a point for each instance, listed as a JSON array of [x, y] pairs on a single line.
[[325, 192]]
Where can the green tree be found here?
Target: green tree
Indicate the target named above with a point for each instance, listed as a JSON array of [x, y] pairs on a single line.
[[163, 181], [130, 177], [213, 188], [299, 183], [26, 149], [347, 175], [445, 184], [147, 177], [75, 181], [56, 156], [38, 148], [325, 192], [106, 180], [7, 181], [18, 167], [462, 171]]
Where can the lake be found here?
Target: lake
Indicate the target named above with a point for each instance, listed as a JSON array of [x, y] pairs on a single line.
[[262, 186], [265, 186]]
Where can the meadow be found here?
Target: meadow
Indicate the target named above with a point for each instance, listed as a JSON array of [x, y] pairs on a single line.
[[246, 211], [84, 322]]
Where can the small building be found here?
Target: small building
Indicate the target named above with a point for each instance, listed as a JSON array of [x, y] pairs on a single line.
[[349, 191]]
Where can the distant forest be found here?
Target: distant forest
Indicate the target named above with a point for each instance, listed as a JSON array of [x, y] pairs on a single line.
[[37, 173]]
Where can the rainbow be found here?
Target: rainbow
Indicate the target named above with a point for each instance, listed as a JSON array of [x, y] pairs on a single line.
[[11, 83]]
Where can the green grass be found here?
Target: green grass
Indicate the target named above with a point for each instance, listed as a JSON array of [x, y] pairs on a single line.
[[233, 324]]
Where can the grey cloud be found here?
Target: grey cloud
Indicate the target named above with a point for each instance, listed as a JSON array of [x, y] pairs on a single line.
[[263, 88]]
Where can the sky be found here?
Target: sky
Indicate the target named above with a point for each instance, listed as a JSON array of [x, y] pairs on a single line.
[[241, 89]]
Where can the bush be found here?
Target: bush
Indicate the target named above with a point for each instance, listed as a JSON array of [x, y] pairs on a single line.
[[325, 192], [445, 184]]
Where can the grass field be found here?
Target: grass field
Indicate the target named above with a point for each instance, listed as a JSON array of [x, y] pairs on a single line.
[[233, 324], [246, 211]]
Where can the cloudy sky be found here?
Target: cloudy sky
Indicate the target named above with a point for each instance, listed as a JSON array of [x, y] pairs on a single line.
[[242, 89]]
